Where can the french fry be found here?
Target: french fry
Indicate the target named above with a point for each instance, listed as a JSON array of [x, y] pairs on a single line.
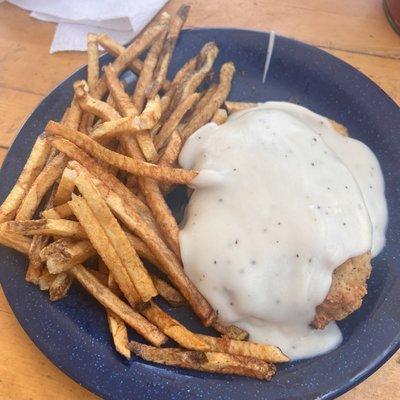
[[92, 105], [339, 128], [171, 152], [45, 280], [59, 287], [146, 74], [93, 61], [58, 212], [65, 187], [116, 325], [133, 265], [161, 212], [206, 96], [110, 180], [36, 265], [165, 257], [170, 157], [44, 178], [220, 116], [103, 246], [140, 44], [204, 62], [175, 118], [174, 29], [44, 181], [234, 106], [120, 161], [63, 254], [141, 248], [122, 101], [231, 331], [15, 241], [171, 327], [119, 127], [34, 165], [116, 49], [260, 351], [144, 138], [205, 361], [56, 227], [224, 86], [119, 333], [111, 301], [185, 71], [167, 292]]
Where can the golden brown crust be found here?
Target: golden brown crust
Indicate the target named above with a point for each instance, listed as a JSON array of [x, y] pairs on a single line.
[[349, 286]]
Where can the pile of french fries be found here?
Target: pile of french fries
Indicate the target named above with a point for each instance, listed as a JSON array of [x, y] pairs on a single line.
[[102, 173]]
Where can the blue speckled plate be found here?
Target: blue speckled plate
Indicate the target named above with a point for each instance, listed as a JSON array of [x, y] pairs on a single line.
[[73, 332]]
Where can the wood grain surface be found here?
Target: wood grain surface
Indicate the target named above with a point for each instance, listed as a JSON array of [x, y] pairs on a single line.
[[355, 31]]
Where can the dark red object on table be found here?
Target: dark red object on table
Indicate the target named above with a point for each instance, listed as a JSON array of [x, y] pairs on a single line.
[[392, 10]]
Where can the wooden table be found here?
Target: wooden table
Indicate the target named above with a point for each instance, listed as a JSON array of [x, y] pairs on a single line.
[[355, 31]]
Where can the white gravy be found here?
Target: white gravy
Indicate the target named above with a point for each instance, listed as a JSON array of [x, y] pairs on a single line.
[[281, 200]]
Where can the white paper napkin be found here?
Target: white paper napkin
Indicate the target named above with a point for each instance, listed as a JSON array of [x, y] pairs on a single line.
[[122, 20]]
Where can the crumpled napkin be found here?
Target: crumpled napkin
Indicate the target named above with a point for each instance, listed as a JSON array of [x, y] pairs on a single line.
[[122, 20]]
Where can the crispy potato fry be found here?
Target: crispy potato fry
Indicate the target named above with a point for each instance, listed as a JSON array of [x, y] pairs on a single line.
[[174, 29], [132, 263], [224, 86], [116, 49], [15, 241], [165, 257], [167, 292], [172, 122], [233, 106], [171, 327], [141, 248], [122, 101], [112, 302], [146, 74], [339, 128], [92, 105], [59, 287], [103, 246], [44, 181], [231, 331], [204, 62], [60, 212], [205, 361], [63, 254], [171, 152], [116, 325], [206, 96], [45, 280], [120, 161], [128, 125], [109, 180], [260, 351], [140, 44], [162, 214], [36, 265], [93, 61], [170, 157], [65, 187], [178, 80], [56, 227], [34, 165], [220, 116]]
